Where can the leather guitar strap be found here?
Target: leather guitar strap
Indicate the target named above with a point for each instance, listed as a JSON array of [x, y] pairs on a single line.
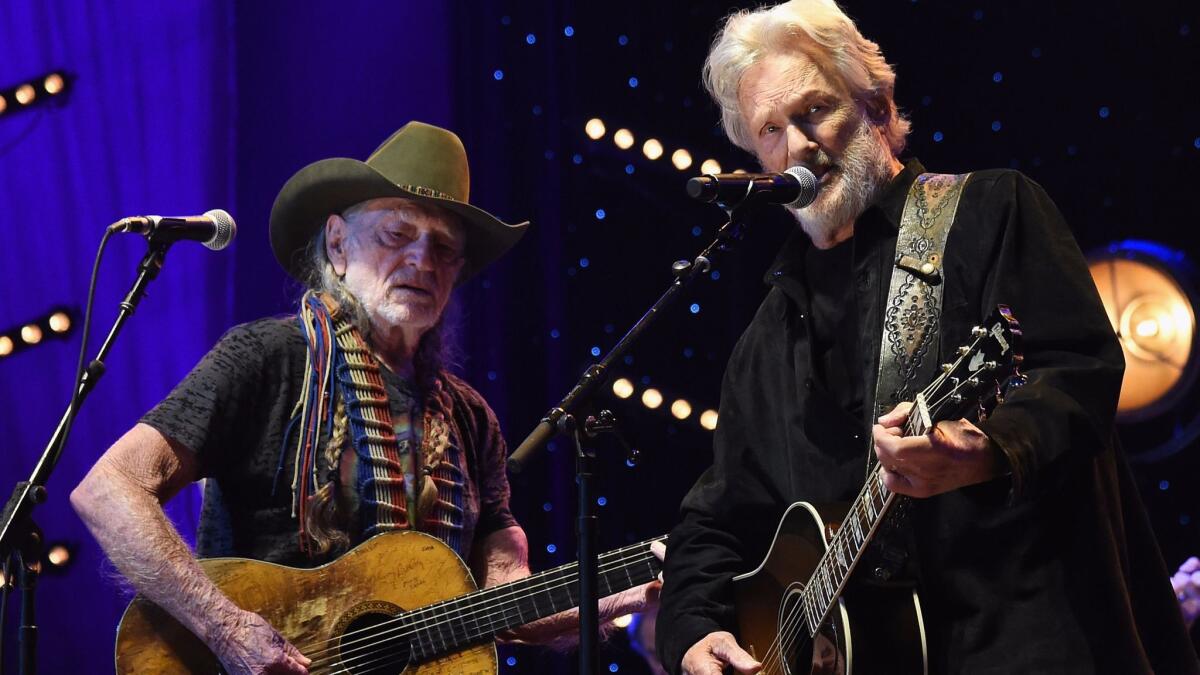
[[909, 348]]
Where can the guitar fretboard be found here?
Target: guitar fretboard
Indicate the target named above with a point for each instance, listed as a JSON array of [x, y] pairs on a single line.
[[476, 618]]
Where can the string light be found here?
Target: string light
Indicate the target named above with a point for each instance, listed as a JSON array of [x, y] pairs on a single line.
[[594, 129], [652, 149], [708, 419], [652, 398], [622, 388], [623, 138], [681, 158], [57, 323], [710, 166], [40, 89], [681, 409]]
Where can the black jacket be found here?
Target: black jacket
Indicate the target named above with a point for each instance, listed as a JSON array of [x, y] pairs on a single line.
[[1057, 573]]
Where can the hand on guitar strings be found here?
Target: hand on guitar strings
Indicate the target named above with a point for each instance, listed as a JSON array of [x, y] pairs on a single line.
[[716, 651], [954, 454], [250, 645], [560, 632], [1186, 583]]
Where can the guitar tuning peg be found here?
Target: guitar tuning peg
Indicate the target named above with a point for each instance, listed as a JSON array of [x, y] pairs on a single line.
[[978, 331], [947, 367], [964, 350], [989, 365]]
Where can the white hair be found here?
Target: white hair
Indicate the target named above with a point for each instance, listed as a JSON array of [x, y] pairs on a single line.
[[823, 32]]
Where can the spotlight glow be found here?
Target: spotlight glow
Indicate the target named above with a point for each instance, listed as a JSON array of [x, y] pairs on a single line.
[[594, 129], [708, 419], [3, 104], [31, 334], [623, 138], [652, 398], [652, 149], [60, 322], [59, 555], [6, 345], [710, 166], [623, 621], [25, 94], [623, 388], [53, 83], [681, 409], [681, 158]]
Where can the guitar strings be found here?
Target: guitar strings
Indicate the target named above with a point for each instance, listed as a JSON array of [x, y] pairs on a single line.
[[785, 639], [524, 586], [620, 557], [500, 602], [358, 655]]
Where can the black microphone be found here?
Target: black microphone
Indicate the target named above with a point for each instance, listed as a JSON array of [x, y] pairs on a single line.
[[215, 229], [796, 187]]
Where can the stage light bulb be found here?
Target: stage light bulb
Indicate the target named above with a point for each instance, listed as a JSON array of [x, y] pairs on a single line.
[[652, 149], [31, 334], [53, 83], [25, 94], [681, 158], [623, 388], [3, 104], [623, 138], [58, 555], [594, 129], [681, 409], [623, 621], [652, 398], [739, 171], [708, 419], [6, 345], [710, 166], [60, 322]]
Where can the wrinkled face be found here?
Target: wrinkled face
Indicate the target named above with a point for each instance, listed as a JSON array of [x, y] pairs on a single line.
[[399, 258], [797, 115]]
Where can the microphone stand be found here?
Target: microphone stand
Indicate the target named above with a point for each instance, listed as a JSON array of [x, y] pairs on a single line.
[[561, 419], [19, 534]]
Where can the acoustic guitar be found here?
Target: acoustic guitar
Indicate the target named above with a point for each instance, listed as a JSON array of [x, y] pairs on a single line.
[[400, 602], [794, 612]]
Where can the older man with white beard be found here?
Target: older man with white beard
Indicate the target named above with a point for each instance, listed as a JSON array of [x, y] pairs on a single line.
[[319, 430], [1026, 539]]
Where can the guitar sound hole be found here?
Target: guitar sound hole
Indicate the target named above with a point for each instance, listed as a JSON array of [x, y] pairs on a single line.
[[369, 645]]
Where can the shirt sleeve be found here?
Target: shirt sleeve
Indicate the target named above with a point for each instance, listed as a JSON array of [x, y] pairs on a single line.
[[217, 400], [1071, 355]]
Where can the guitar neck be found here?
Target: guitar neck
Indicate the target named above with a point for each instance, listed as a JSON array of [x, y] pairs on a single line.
[[477, 617]]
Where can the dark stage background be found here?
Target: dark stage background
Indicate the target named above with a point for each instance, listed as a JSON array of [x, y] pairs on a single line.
[[185, 106]]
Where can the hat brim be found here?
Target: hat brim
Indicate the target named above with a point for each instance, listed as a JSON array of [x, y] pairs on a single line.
[[332, 185]]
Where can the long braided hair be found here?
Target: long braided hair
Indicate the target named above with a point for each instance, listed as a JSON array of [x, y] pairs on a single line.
[[325, 527]]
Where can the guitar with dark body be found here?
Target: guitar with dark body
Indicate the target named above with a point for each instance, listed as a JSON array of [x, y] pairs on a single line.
[[795, 613]]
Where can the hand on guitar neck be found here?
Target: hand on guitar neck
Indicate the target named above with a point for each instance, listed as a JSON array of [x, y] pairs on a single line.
[[953, 454]]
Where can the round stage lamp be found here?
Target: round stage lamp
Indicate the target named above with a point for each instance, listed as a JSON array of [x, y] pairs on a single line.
[[1148, 295]]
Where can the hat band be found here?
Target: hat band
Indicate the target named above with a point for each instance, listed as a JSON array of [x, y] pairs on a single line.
[[427, 192]]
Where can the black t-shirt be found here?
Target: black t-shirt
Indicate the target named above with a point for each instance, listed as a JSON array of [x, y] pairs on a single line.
[[233, 411]]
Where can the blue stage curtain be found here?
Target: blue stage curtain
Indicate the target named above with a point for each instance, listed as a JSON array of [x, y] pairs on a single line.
[[145, 128]]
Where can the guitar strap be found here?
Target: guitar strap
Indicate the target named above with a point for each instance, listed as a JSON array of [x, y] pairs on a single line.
[[912, 316], [914, 305]]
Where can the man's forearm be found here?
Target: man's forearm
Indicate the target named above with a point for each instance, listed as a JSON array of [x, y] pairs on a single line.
[[131, 527]]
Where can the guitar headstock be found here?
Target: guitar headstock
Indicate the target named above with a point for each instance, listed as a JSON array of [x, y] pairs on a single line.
[[984, 370]]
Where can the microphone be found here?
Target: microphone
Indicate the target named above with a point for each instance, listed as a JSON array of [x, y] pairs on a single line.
[[215, 229], [796, 187]]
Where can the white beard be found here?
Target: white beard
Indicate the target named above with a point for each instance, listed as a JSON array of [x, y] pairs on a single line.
[[865, 169], [381, 310]]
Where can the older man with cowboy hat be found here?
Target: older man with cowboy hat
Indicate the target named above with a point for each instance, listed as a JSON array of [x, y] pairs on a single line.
[[319, 430]]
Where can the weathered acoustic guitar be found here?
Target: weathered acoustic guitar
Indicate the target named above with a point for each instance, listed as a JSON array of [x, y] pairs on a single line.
[[792, 612], [400, 602]]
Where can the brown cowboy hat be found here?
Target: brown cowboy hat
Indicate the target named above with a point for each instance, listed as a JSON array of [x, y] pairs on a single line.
[[420, 162]]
